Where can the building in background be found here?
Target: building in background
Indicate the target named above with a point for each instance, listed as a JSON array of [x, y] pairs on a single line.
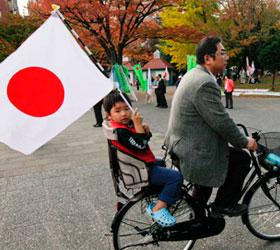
[[8, 6], [158, 66]]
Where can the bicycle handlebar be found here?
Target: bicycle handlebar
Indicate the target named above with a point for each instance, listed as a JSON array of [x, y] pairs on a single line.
[[255, 135], [244, 128]]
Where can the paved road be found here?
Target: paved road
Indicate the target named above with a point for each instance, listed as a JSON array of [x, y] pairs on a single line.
[[61, 196]]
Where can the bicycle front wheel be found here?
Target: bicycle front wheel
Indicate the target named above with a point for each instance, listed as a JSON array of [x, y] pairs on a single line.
[[134, 229], [263, 216]]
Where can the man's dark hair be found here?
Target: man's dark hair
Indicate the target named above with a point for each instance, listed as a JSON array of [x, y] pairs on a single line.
[[206, 46], [229, 75], [112, 98]]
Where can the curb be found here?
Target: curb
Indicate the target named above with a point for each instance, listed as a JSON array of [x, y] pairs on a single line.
[[258, 92]]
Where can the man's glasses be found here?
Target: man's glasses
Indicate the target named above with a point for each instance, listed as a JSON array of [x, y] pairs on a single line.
[[222, 53]]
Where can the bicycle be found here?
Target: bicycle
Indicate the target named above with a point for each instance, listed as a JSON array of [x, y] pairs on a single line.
[[133, 229]]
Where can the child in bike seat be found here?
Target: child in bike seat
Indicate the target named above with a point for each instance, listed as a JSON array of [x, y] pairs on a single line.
[[133, 138]]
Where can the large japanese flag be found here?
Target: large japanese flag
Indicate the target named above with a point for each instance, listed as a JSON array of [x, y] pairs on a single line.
[[45, 85]]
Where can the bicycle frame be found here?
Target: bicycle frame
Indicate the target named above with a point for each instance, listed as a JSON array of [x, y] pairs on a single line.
[[248, 189], [250, 185]]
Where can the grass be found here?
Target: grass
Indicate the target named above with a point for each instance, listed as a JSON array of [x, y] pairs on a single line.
[[265, 83]]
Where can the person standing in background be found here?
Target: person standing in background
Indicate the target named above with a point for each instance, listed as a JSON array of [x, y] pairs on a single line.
[[97, 108], [137, 84], [160, 92], [242, 76], [229, 87], [178, 81], [220, 79]]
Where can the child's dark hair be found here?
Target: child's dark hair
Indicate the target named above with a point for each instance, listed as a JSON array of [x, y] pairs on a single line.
[[112, 98]]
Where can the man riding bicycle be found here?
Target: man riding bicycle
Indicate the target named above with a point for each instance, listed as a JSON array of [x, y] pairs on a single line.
[[200, 129]]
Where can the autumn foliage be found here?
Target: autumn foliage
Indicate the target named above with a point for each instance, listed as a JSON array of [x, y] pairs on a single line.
[[244, 27], [14, 29], [109, 27]]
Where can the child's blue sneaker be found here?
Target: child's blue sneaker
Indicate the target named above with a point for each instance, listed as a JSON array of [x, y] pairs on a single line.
[[162, 216], [149, 208]]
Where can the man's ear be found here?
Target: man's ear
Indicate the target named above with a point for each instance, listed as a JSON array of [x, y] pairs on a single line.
[[207, 58]]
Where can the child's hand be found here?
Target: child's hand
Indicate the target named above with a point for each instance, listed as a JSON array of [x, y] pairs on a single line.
[[137, 118], [146, 128], [137, 121]]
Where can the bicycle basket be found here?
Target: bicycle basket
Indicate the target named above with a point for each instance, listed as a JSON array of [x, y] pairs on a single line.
[[269, 143]]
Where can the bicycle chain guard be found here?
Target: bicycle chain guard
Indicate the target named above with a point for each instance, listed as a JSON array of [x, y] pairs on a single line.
[[190, 230]]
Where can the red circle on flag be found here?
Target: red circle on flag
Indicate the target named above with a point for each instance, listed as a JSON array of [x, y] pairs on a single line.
[[36, 91]]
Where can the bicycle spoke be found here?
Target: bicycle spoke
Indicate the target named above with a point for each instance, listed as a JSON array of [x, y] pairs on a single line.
[[263, 217], [136, 221], [260, 210], [136, 230], [139, 244]]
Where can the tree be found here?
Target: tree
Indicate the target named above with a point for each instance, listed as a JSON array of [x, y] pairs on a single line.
[[141, 51], [184, 25], [269, 56], [110, 26], [5, 49], [246, 25], [243, 25], [14, 29]]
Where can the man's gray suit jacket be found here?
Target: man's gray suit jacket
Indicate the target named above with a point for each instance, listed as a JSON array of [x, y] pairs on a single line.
[[199, 129]]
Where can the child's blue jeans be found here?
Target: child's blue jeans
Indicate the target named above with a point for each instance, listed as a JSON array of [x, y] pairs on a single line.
[[170, 181]]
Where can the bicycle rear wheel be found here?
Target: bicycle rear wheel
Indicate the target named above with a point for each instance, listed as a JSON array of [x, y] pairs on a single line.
[[263, 216], [134, 229]]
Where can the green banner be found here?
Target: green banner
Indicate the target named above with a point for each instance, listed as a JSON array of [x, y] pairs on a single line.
[[139, 74], [191, 62], [121, 77]]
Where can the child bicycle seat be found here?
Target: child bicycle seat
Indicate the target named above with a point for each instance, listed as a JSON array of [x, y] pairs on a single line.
[[126, 168]]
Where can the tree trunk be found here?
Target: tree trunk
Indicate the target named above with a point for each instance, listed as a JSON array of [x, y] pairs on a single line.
[[273, 81], [120, 54], [114, 56], [111, 56]]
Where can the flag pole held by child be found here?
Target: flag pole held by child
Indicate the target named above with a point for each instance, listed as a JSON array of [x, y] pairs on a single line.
[[126, 101]]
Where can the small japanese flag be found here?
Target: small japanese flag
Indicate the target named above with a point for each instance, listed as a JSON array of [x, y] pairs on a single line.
[[45, 85]]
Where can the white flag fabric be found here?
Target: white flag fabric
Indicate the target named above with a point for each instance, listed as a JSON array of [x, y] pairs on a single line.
[[247, 66], [253, 68], [149, 82], [45, 85], [249, 69], [166, 74]]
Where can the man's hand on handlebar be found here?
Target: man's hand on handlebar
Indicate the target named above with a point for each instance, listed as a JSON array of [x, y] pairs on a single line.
[[252, 144]]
